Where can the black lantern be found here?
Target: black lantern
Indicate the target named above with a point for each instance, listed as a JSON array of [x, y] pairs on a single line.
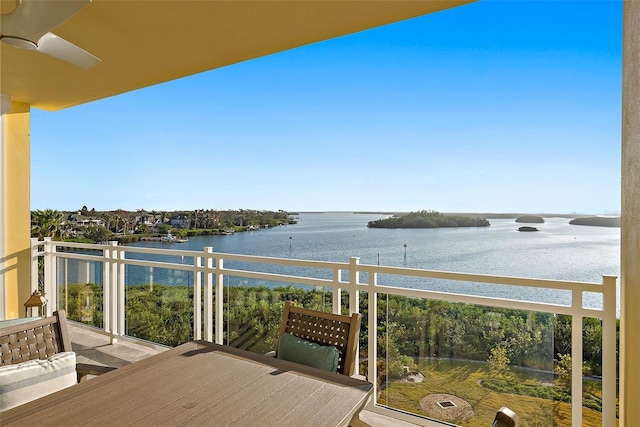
[[35, 306]]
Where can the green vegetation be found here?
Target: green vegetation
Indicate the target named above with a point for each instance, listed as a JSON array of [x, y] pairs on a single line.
[[414, 327], [498, 361], [46, 223], [539, 402], [597, 221], [489, 356], [162, 314], [531, 219], [91, 226], [428, 219]]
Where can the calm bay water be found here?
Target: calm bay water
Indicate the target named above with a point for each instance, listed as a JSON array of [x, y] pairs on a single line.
[[557, 251]]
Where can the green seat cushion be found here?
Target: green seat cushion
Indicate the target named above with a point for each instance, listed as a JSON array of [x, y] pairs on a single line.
[[308, 353]]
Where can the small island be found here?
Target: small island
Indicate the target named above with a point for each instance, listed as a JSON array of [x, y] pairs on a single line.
[[598, 221], [530, 219], [428, 219]]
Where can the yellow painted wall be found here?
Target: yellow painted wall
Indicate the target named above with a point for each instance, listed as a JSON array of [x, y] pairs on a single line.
[[18, 214], [630, 231]]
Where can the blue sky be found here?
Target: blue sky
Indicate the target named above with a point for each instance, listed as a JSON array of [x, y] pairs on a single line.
[[497, 106]]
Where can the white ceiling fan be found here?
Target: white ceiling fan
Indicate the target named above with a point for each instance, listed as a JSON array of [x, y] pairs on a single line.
[[30, 23]]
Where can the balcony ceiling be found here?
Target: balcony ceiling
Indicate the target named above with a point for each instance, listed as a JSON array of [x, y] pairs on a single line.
[[143, 43]]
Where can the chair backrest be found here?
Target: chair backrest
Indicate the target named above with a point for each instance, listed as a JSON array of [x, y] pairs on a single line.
[[36, 359], [325, 329], [34, 339]]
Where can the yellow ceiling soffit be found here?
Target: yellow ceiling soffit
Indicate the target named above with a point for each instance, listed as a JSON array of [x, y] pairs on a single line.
[[143, 43]]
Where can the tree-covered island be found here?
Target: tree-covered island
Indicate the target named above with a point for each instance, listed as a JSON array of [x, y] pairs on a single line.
[[428, 219]]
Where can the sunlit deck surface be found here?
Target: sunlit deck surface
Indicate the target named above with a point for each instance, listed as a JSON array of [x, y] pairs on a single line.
[[92, 346]]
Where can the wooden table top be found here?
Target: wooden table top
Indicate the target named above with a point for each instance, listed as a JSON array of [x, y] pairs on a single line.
[[201, 383]]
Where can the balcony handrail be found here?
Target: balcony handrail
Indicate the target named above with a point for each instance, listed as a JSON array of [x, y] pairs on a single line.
[[483, 278], [207, 263], [342, 266]]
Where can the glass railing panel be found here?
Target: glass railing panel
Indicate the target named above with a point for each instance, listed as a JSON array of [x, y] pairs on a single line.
[[460, 363], [591, 366], [80, 290], [159, 304], [521, 293], [253, 312], [279, 269]]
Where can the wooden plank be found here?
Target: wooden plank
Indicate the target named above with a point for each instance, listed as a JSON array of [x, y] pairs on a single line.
[[58, 404], [212, 379], [202, 383]]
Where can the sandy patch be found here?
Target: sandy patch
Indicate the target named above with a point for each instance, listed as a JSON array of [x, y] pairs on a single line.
[[451, 408]]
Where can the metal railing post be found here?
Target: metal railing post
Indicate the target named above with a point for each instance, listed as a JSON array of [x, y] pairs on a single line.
[[354, 280], [354, 306], [197, 298], [576, 358], [122, 331], [114, 294], [336, 296], [220, 301], [107, 286], [372, 336], [609, 354], [34, 264], [208, 294], [50, 275]]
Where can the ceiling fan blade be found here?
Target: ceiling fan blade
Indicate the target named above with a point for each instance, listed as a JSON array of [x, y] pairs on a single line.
[[31, 19], [58, 47]]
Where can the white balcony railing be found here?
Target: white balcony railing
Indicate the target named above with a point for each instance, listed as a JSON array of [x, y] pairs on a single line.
[[206, 273]]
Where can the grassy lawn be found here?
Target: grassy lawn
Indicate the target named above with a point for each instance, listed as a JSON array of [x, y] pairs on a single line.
[[463, 379]]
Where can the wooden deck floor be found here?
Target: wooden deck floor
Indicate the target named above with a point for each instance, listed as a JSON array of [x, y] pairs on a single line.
[[92, 346]]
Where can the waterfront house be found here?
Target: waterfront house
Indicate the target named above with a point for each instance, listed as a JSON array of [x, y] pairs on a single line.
[[78, 220], [181, 221], [162, 41]]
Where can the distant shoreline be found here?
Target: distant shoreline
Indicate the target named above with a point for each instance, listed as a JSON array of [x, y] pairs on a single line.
[[488, 215], [576, 219]]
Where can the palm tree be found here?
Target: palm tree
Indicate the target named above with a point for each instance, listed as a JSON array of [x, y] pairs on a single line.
[[208, 220], [47, 223], [154, 221], [108, 218], [116, 222]]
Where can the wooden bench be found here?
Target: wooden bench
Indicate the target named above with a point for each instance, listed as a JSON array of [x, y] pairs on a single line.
[[36, 359]]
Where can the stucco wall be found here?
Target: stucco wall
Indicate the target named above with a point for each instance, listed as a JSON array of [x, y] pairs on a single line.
[[16, 178]]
